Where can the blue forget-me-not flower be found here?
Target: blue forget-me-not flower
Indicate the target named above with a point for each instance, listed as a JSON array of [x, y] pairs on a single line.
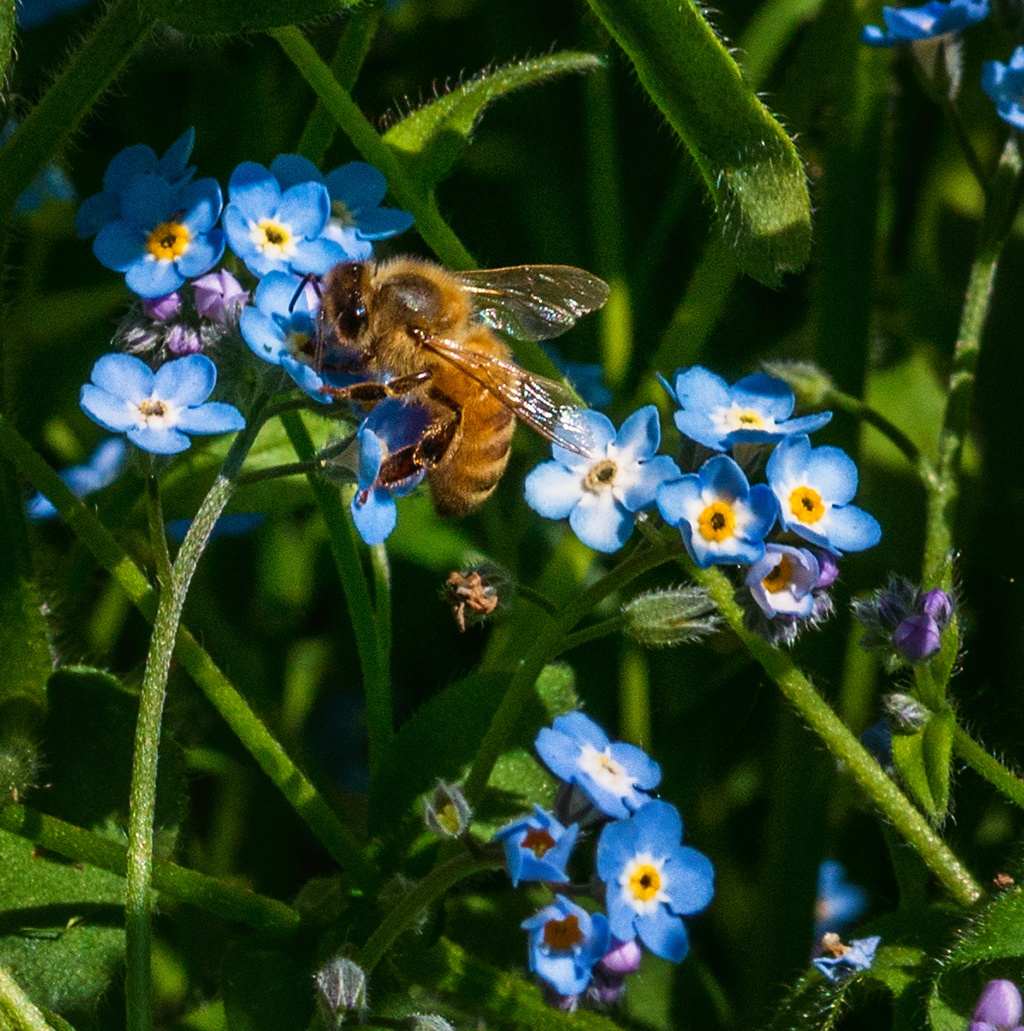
[[104, 466], [928, 22], [1004, 83], [846, 960], [565, 943], [537, 847]]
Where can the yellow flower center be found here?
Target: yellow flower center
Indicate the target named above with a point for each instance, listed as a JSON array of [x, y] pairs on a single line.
[[153, 409], [644, 882], [168, 241], [805, 504], [778, 579], [600, 475], [749, 419], [562, 935], [539, 842], [274, 239], [717, 522]]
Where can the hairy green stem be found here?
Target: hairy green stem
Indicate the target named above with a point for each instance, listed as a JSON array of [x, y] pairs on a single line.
[[157, 533], [275, 762], [859, 410], [987, 766], [841, 742], [591, 633], [439, 881], [338, 101], [18, 1011], [545, 646], [207, 893]]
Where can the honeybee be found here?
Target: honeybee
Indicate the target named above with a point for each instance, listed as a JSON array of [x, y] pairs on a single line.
[[430, 333]]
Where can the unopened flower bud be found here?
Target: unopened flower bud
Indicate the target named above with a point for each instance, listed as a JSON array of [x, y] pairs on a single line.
[[220, 297], [182, 340], [810, 385], [622, 958], [446, 811], [999, 1006], [477, 593], [907, 714], [341, 989], [162, 309], [678, 615]]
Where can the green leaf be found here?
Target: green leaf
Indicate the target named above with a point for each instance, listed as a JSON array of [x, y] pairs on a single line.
[[922, 759], [747, 160], [267, 984], [61, 928], [6, 36], [202, 18], [432, 137]]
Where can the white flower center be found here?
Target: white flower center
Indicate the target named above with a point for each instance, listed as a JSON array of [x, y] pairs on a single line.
[[605, 771], [643, 884], [155, 413], [728, 420], [273, 239]]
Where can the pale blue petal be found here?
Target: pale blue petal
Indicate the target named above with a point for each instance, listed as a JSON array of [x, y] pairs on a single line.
[[552, 490], [187, 381], [601, 522], [254, 190], [149, 277], [159, 442], [305, 209], [262, 334], [650, 476], [212, 417], [110, 411], [852, 529], [664, 934], [765, 394], [123, 375], [291, 169], [203, 253], [639, 436]]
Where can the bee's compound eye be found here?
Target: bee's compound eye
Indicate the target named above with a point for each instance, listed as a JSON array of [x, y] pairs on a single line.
[[347, 306]]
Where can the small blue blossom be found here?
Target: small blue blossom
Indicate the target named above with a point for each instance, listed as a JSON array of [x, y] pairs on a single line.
[[998, 1008], [1004, 83], [163, 237], [281, 329], [576, 749], [847, 959], [272, 229], [838, 902], [565, 943], [813, 487], [754, 411], [537, 847], [653, 880], [599, 492], [105, 207], [104, 466], [158, 409], [51, 184], [930, 21], [721, 517], [781, 581], [390, 427], [356, 190]]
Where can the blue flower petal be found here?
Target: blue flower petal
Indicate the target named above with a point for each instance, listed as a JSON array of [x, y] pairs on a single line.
[[212, 417], [552, 490], [109, 410], [203, 253], [766, 394], [601, 522], [650, 476], [188, 382], [852, 529], [148, 201], [376, 516], [305, 208], [254, 191], [119, 244], [97, 211], [639, 436], [382, 223], [291, 169], [127, 165], [318, 256], [159, 442], [151, 277], [357, 185], [664, 934], [264, 336], [201, 202], [123, 375]]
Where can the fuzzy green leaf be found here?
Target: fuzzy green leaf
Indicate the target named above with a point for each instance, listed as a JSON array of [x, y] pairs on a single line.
[[6, 36], [202, 18], [747, 160], [922, 759], [61, 928], [431, 138]]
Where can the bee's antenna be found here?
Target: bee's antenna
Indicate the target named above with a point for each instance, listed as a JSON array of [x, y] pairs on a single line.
[[308, 278]]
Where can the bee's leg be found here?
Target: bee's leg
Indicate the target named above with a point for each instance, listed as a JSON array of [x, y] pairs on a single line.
[[368, 393]]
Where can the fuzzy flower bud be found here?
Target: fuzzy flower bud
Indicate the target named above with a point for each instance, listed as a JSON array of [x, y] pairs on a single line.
[[998, 1008], [446, 811], [341, 989], [477, 593], [678, 615], [907, 714], [903, 623]]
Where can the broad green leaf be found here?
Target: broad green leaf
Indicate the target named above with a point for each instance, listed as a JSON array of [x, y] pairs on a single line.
[[201, 18], [997, 933], [61, 928], [747, 160], [432, 137], [922, 759], [267, 984]]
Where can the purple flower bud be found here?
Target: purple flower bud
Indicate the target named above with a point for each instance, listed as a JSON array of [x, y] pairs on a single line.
[[622, 958], [605, 989], [162, 309], [828, 567], [999, 1007], [917, 637], [220, 297], [937, 604], [182, 340]]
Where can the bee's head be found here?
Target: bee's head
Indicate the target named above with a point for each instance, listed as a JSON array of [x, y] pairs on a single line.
[[344, 306]]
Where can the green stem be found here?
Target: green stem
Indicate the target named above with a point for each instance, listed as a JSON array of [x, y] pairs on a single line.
[[859, 410], [157, 533], [278, 472], [381, 567], [434, 230], [546, 645], [591, 633], [963, 139], [207, 893], [439, 881], [987, 766], [369, 643], [275, 762], [841, 742], [17, 1009]]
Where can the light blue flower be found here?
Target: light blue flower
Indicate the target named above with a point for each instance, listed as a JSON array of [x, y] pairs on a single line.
[[782, 579], [721, 517], [104, 207], [537, 847], [848, 959], [158, 409], [386, 466], [813, 487], [838, 902], [653, 880], [164, 236], [1004, 83], [356, 190], [565, 943], [281, 329], [599, 492], [915, 24], [104, 466], [754, 411], [576, 749], [272, 229]]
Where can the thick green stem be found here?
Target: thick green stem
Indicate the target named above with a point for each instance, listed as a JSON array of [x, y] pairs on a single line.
[[434, 230], [17, 1010], [546, 645], [207, 893], [987, 766], [841, 742]]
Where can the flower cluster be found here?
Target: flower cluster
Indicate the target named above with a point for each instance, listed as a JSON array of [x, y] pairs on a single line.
[[903, 623], [646, 879]]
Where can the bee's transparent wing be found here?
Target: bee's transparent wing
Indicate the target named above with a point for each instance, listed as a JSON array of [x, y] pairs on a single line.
[[545, 405], [533, 302]]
